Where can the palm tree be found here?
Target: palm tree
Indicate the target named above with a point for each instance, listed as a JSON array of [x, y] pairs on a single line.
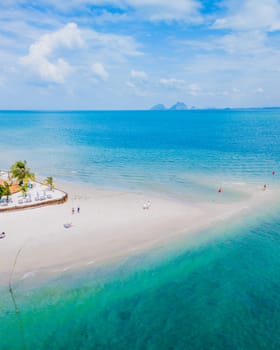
[[49, 182], [24, 189], [6, 191], [1, 191], [21, 173]]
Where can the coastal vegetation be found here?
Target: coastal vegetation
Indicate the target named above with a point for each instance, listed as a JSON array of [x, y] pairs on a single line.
[[49, 182], [21, 173], [5, 190], [18, 179], [24, 189], [21, 190]]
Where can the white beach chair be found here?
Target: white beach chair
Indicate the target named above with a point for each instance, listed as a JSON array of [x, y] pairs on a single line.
[[147, 205]]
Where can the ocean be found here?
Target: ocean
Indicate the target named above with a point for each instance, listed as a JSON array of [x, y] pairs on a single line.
[[221, 291]]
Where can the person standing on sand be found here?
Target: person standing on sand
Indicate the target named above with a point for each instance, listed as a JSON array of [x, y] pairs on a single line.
[[73, 211], [78, 210]]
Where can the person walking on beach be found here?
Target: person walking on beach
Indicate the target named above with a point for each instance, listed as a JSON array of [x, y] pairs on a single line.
[[78, 210], [73, 211]]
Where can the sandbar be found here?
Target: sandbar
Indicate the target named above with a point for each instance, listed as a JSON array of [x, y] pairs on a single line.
[[111, 224]]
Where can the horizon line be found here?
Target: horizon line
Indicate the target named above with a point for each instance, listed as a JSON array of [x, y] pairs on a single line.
[[137, 110]]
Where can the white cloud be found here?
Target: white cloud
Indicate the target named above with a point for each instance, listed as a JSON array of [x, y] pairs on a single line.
[[194, 89], [251, 42], [241, 43], [50, 59], [154, 10], [259, 90], [157, 10], [130, 84], [138, 82], [138, 75], [40, 53], [99, 71], [172, 83], [113, 46], [243, 54], [235, 90], [251, 15], [2, 82]]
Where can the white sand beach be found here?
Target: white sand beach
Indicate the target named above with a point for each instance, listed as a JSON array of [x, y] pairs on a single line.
[[111, 224]]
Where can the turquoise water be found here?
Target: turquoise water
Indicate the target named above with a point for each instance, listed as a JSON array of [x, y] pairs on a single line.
[[223, 294], [169, 152], [219, 293]]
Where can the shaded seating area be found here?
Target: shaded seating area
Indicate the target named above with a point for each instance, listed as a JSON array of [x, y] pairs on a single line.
[[20, 190]]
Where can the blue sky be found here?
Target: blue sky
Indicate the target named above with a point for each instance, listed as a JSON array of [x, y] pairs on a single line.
[[132, 54]]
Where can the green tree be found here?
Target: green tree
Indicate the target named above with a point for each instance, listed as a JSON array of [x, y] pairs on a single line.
[[6, 191], [49, 182], [21, 172], [24, 189], [1, 191]]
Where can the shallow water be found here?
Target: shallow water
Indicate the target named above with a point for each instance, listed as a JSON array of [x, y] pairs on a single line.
[[222, 292], [167, 152], [219, 294]]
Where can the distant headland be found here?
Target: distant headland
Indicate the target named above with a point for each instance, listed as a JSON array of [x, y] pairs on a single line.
[[178, 106]]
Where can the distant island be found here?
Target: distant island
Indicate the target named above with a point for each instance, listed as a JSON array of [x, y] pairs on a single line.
[[178, 106], [159, 107]]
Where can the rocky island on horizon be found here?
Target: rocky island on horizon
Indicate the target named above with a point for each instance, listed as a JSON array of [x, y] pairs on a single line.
[[178, 106]]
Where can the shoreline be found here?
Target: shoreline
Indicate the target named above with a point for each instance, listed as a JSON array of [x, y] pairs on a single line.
[[111, 225]]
